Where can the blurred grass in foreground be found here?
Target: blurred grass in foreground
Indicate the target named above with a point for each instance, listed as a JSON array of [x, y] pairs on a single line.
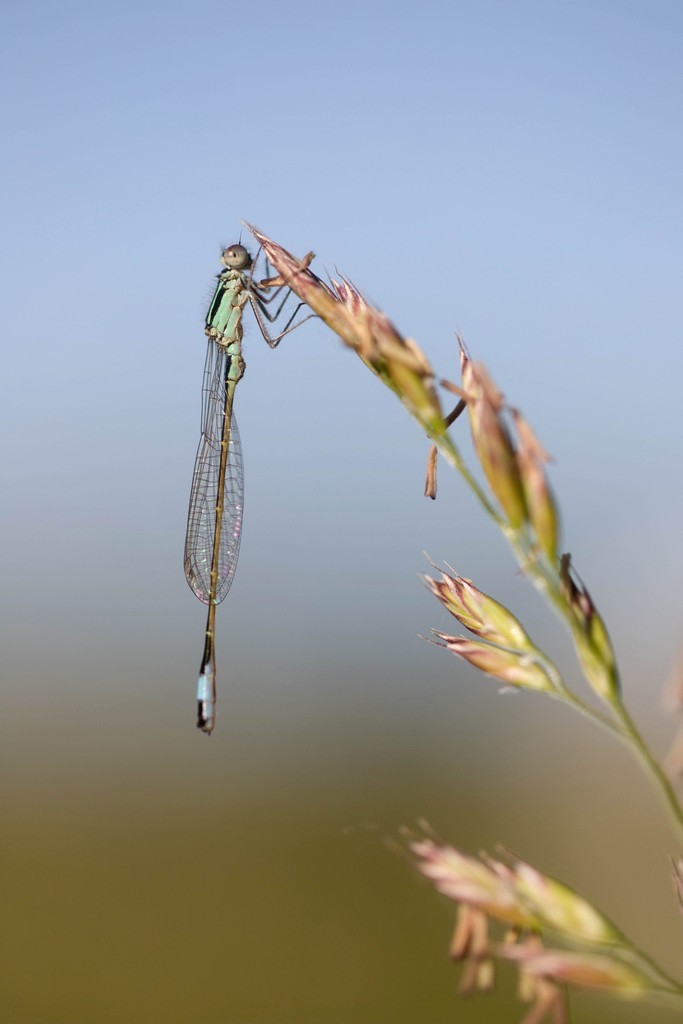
[[306, 916]]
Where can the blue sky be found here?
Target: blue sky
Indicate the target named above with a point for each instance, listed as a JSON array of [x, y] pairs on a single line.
[[509, 170]]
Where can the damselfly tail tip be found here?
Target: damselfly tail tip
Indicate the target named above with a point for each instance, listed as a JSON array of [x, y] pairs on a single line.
[[206, 702], [205, 718]]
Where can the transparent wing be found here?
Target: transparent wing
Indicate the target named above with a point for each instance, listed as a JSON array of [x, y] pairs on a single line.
[[201, 519]]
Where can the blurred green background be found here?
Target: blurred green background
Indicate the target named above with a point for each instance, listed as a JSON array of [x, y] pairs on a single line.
[[511, 170]]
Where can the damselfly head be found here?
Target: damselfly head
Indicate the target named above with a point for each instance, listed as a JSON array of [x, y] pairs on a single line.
[[236, 257]]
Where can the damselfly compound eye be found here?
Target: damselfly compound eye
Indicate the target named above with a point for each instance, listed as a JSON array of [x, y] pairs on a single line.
[[236, 257]]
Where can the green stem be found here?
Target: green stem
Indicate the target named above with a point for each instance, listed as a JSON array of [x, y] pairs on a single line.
[[631, 735], [588, 712], [626, 730], [664, 983], [454, 458]]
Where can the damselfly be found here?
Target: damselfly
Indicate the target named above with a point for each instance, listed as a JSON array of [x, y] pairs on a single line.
[[214, 522]]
